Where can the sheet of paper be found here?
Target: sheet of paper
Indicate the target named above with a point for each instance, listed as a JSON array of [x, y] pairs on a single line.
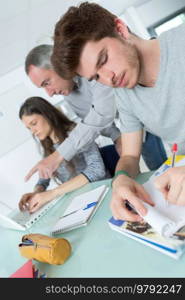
[[164, 217], [82, 200]]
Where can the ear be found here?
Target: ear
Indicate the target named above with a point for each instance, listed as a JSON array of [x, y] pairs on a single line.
[[121, 28]]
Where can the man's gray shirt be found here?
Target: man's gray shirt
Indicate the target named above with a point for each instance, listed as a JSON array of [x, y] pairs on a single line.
[[159, 109], [95, 104]]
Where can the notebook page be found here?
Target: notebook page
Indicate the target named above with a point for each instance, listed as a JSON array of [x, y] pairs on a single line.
[[82, 200], [164, 217]]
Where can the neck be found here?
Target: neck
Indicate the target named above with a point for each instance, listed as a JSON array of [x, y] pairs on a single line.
[[149, 54]]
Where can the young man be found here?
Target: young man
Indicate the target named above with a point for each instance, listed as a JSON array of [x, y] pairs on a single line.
[[94, 103], [149, 88]]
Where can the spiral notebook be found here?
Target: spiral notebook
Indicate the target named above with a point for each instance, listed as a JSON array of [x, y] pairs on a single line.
[[81, 210]]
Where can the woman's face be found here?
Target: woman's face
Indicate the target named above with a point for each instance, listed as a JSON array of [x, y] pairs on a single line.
[[38, 125]]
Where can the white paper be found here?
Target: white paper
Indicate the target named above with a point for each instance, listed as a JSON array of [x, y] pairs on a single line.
[[164, 217], [82, 200]]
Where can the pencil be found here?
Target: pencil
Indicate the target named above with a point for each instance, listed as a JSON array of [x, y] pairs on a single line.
[[174, 151]]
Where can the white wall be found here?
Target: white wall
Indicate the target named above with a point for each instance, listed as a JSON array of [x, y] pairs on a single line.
[[13, 168], [155, 10], [141, 14], [25, 24]]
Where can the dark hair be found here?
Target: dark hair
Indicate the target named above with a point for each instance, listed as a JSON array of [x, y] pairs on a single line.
[[57, 120], [88, 21], [40, 57]]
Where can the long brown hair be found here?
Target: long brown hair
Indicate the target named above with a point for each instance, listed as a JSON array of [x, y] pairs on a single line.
[[59, 123]]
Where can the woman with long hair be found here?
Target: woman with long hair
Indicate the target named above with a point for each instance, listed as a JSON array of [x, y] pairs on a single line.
[[51, 127]]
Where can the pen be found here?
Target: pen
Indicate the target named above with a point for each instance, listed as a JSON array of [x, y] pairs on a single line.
[[174, 150], [89, 205]]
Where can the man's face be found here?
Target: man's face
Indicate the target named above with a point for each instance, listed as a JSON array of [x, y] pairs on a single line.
[[50, 81], [111, 61]]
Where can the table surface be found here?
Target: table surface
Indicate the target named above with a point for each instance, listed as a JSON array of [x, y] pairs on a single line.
[[97, 251]]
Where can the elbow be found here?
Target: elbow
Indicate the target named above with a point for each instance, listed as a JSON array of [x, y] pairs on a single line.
[[101, 174]]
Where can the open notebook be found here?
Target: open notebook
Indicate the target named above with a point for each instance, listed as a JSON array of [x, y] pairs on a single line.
[[80, 210], [15, 219], [164, 217], [165, 227]]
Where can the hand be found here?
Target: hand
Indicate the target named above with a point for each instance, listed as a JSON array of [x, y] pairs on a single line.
[[125, 188], [172, 185], [46, 167], [24, 202], [39, 199]]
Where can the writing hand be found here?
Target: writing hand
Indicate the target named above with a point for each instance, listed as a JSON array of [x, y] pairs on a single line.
[[172, 184], [126, 190]]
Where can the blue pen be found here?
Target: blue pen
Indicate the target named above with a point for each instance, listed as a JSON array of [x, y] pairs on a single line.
[[89, 205]]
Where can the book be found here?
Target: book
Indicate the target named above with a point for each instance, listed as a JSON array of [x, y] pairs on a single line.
[[28, 270], [25, 271], [145, 234], [164, 226], [81, 210], [13, 218]]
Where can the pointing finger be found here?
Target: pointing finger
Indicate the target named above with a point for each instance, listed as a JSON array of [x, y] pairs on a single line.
[[31, 172]]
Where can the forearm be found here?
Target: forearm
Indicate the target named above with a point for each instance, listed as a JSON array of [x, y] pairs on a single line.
[[70, 185], [100, 116], [82, 135], [130, 164]]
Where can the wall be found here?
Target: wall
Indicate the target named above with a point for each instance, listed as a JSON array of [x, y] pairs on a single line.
[[27, 23], [15, 88], [24, 24], [153, 11]]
